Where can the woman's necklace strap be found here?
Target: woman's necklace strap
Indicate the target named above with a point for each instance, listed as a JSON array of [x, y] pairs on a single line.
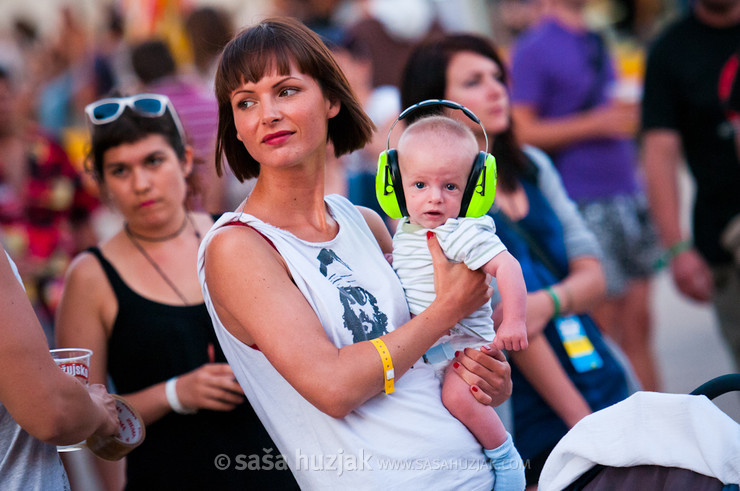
[[156, 267]]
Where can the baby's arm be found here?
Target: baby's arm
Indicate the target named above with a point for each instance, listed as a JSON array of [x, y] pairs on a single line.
[[511, 334]]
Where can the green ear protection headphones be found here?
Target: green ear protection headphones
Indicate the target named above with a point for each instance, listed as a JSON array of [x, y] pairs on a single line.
[[480, 189]]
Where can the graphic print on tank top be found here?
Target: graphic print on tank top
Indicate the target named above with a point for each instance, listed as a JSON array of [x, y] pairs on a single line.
[[362, 317]]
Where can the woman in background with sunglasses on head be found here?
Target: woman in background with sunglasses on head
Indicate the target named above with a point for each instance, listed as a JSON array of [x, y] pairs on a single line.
[[136, 302]]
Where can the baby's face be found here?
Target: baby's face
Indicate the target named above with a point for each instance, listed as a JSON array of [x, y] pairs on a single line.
[[434, 176]]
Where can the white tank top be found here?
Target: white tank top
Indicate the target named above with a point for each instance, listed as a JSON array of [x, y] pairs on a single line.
[[405, 440]]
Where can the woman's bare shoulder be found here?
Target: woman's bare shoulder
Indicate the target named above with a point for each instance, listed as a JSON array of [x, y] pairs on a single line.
[[242, 242], [85, 268]]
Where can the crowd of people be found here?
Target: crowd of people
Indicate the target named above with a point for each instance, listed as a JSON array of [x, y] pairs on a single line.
[[126, 159]]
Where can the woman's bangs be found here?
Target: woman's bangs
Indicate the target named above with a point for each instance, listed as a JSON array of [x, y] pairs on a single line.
[[250, 65]]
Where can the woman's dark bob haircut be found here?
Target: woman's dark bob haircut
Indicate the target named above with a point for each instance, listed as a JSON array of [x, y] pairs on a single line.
[[274, 44]]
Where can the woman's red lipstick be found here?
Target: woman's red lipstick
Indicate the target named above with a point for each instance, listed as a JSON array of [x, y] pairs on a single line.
[[276, 138]]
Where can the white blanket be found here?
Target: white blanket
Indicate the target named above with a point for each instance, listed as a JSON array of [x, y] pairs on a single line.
[[669, 430]]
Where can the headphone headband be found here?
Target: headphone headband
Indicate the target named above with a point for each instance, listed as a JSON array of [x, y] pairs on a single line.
[[436, 102]]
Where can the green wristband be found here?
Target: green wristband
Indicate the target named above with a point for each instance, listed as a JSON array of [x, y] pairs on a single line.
[[679, 247], [555, 301], [674, 250]]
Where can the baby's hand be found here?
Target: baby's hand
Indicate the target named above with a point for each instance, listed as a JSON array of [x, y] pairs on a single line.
[[511, 336]]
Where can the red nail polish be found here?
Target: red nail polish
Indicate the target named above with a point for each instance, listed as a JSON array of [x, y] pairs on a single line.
[[457, 353], [430, 234], [474, 388], [456, 365]]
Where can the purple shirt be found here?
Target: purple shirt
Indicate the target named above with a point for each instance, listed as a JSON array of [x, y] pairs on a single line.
[[558, 72]]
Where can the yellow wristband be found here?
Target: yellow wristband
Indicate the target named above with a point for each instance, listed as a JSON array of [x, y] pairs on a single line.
[[385, 356]]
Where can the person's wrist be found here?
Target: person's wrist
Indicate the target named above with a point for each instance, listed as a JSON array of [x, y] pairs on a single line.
[[442, 315], [675, 249], [556, 303], [566, 298], [170, 390]]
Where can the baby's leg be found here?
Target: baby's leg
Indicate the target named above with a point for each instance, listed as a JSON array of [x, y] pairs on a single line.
[[485, 425], [481, 420]]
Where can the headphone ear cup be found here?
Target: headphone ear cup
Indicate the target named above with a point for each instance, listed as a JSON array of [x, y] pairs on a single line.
[[481, 186], [388, 188]]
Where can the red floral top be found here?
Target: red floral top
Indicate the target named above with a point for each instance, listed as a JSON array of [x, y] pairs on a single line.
[[38, 221]]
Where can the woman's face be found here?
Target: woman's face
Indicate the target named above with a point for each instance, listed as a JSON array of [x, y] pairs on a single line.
[[474, 81], [283, 119], [145, 180]]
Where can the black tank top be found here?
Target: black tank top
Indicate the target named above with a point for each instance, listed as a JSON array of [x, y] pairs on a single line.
[[152, 342]]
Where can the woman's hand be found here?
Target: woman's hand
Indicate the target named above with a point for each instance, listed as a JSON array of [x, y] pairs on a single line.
[[460, 291], [210, 386], [487, 372]]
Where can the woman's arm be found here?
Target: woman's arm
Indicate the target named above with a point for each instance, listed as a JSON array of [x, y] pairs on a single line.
[[579, 240], [43, 400], [585, 285], [85, 311], [578, 292], [259, 304], [541, 367], [85, 318]]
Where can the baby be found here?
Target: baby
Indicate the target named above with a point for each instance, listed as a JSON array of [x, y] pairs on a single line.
[[435, 158]]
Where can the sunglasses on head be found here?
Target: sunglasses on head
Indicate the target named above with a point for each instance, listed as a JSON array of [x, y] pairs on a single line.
[[110, 109]]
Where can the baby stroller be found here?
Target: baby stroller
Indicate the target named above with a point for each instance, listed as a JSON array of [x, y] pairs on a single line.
[[651, 441]]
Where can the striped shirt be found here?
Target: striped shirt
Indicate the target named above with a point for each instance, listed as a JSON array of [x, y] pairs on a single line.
[[472, 241]]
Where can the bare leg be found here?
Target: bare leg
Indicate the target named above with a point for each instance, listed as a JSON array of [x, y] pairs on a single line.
[[481, 420], [637, 334]]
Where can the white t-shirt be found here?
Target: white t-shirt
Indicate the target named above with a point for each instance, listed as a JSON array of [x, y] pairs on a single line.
[[405, 440]]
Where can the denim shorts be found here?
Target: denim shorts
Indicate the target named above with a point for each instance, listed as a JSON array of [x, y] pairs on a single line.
[[628, 237]]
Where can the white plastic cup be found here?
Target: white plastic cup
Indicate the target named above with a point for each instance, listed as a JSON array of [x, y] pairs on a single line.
[[74, 362]]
